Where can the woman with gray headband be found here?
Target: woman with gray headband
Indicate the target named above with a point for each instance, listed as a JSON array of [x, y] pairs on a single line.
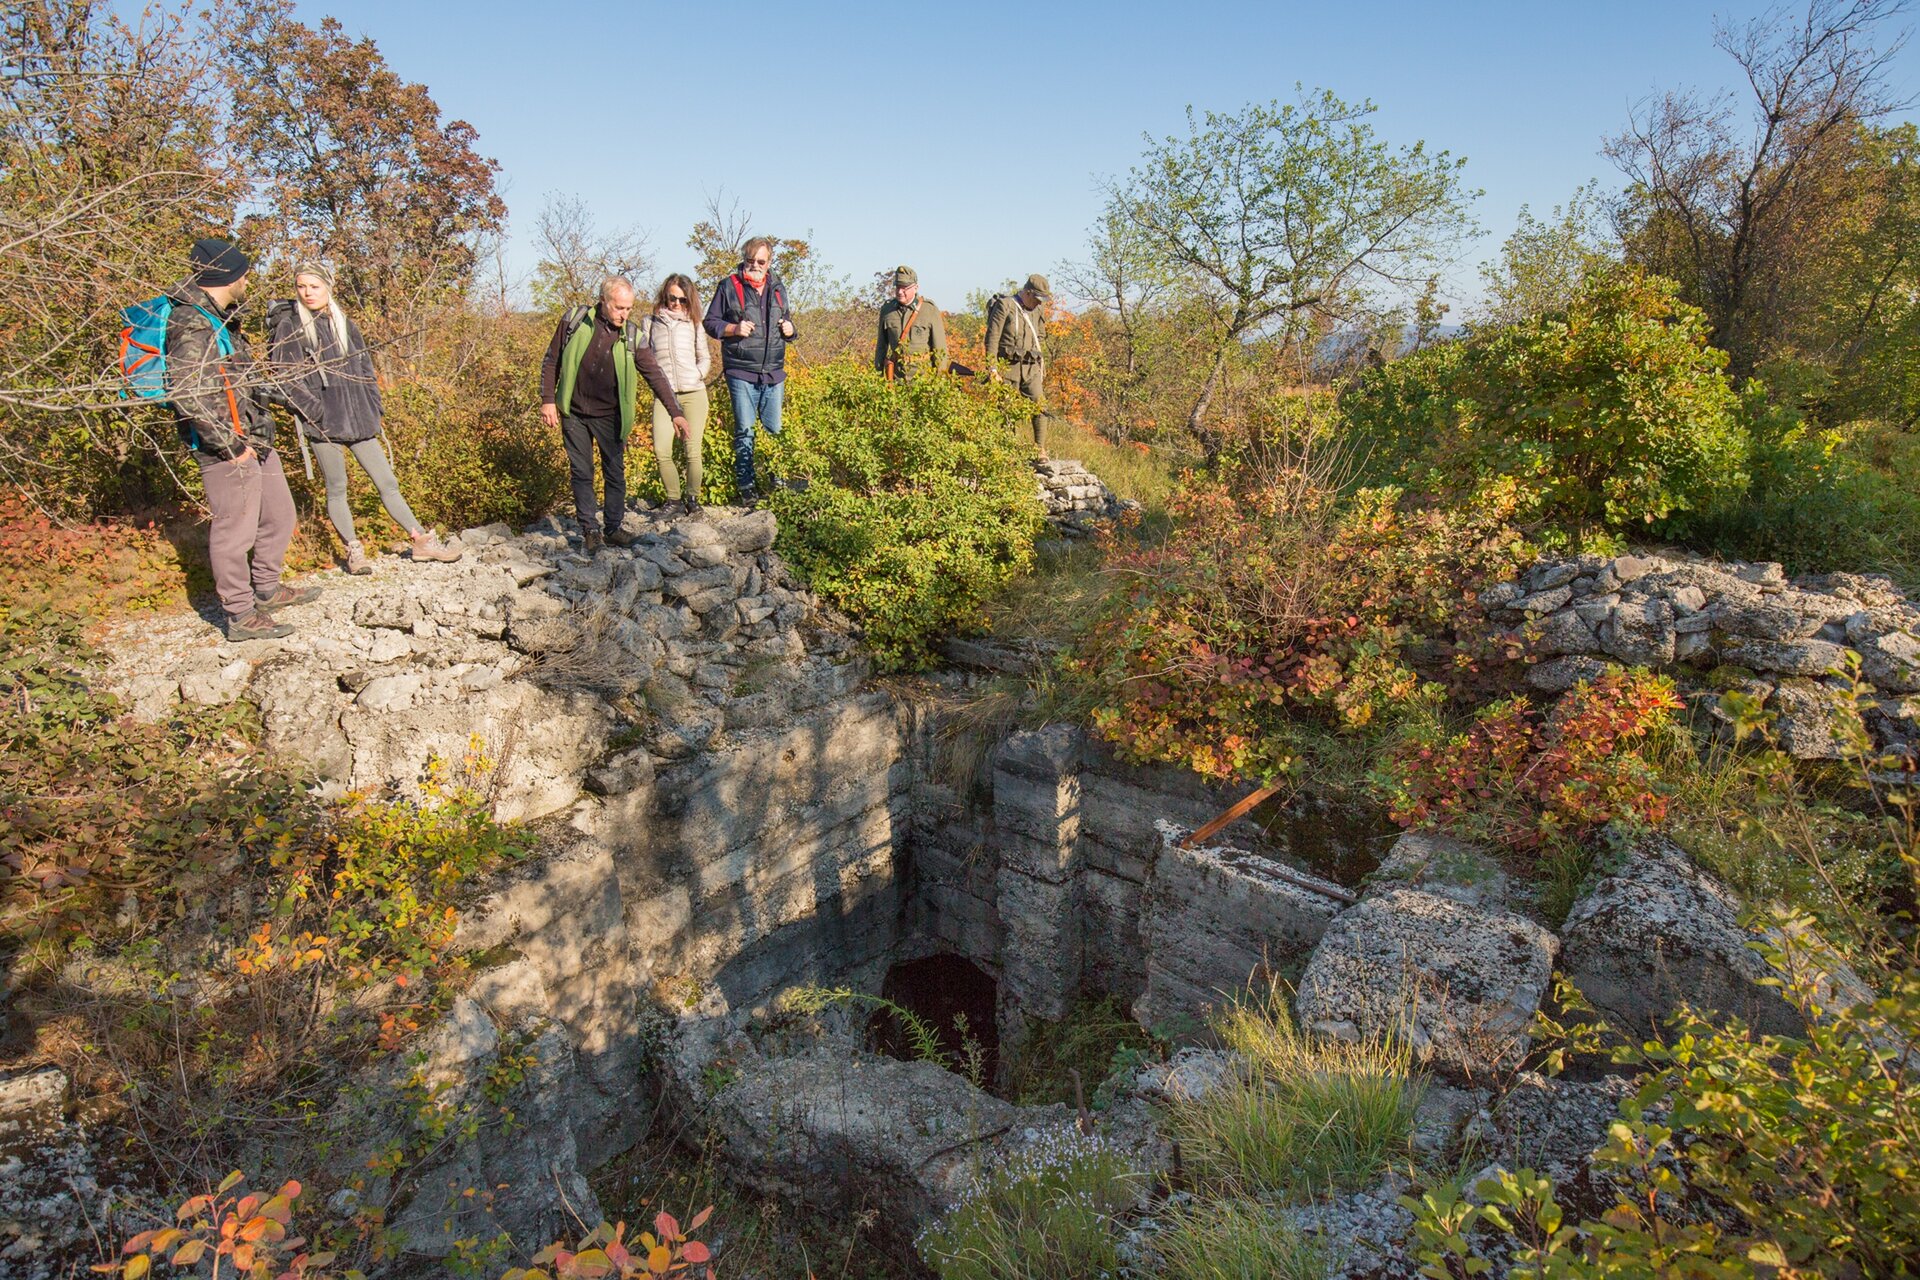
[[326, 375]]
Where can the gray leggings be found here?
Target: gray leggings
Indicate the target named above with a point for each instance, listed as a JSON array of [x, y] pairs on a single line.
[[373, 460]]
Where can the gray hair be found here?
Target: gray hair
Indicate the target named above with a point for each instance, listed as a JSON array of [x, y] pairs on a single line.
[[608, 285]]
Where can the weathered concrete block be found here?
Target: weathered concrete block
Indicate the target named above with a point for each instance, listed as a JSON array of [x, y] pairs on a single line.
[[1212, 917], [1457, 984]]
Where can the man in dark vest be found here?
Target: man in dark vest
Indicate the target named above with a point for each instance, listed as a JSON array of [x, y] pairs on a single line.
[[588, 388], [751, 315], [913, 334], [1014, 356]]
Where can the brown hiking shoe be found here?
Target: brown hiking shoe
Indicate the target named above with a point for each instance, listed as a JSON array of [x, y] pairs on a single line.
[[621, 538], [428, 547], [285, 597], [255, 626], [594, 541], [357, 562]]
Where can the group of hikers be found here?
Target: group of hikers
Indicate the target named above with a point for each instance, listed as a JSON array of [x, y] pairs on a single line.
[[320, 370]]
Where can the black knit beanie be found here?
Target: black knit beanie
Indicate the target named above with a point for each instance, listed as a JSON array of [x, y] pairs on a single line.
[[217, 262]]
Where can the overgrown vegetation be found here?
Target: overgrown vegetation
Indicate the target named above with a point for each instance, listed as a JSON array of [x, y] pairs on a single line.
[[1049, 1212], [906, 504], [1611, 414], [202, 940], [1306, 1116], [1803, 1144]]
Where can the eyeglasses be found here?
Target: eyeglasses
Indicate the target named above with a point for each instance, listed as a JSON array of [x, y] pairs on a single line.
[[760, 262]]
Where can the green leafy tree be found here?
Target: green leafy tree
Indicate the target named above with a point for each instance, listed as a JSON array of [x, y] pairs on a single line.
[[1615, 413], [1292, 218], [354, 164], [1545, 261]]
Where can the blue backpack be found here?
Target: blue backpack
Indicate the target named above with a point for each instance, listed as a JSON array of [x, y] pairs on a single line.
[[143, 346]]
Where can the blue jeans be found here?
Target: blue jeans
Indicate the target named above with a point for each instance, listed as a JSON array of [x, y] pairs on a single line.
[[752, 402]]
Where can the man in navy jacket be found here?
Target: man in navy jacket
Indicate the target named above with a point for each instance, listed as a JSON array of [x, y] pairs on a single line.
[[751, 316]]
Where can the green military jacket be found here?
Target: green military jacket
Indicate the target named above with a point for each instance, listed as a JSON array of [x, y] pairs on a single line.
[[925, 337], [1013, 332]]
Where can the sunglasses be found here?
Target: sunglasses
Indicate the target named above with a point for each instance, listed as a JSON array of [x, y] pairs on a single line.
[[676, 299]]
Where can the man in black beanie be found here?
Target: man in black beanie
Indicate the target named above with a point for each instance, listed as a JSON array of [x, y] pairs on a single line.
[[220, 410]]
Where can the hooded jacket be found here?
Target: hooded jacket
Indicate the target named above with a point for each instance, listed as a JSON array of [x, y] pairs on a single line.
[[218, 400], [333, 389]]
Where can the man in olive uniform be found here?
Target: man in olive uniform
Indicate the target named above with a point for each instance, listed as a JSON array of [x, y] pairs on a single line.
[[912, 331], [1014, 328]]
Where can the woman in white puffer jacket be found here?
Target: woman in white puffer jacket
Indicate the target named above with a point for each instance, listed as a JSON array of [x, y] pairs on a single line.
[[680, 345]]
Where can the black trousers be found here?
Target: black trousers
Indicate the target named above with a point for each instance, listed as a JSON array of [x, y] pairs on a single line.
[[582, 436]]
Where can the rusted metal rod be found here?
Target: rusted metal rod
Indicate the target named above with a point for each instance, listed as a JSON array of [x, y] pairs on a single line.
[[1240, 810]]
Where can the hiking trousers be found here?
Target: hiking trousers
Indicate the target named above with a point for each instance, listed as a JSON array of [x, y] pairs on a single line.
[[252, 512], [583, 436], [373, 460], [694, 404], [1030, 381]]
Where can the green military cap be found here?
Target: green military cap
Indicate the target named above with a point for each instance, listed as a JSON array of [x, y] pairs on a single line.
[[904, 276], [1038, 284]]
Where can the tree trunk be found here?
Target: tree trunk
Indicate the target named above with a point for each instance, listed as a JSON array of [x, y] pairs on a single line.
[[1196, 417]]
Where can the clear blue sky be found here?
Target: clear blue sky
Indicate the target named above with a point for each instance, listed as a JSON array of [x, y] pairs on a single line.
[[967, 139]]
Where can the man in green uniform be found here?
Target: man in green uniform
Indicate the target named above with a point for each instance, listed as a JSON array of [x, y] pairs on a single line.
[[912, 332], [1014, 356]]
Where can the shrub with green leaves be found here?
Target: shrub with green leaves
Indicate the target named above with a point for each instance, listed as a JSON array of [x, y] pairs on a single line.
[[1808, 1147], [1615, 413], [1052, 1211], [906, 504]]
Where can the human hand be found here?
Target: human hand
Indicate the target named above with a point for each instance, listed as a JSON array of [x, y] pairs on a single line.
[[786, 328], [681, 428], [550, 414], [744, 328], [246, 454]]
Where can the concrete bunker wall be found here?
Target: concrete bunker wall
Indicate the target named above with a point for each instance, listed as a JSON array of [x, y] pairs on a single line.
[[1049, 874]]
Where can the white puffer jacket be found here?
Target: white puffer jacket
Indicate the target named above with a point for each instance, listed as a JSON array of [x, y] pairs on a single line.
[[681, 348]]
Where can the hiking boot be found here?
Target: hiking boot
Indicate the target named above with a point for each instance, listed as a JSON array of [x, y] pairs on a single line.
[[621, 538], [257, 625], [593, 542], [690, 505], [357, 562], [284, 597], [428, 547]]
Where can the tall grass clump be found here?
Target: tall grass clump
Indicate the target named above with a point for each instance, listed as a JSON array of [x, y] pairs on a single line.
[[1306, 1116], [1051, 1212], [1236, 1240]]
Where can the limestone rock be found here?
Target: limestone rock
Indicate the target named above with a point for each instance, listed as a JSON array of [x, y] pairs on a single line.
[[1558, 675], [1442, 865], [1813, 722], [1788, 657], [1640, 632], [1660, 931], [1459, 983]]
